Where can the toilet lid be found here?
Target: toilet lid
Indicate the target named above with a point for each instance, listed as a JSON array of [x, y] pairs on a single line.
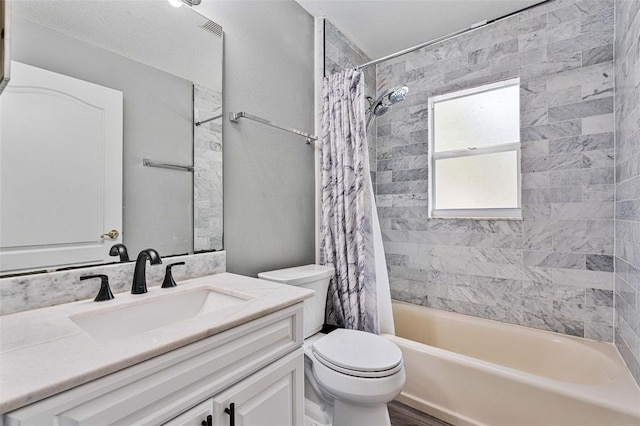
[[358, 353]]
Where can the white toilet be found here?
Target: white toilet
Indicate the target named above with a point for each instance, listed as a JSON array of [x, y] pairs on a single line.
[[349, 375]]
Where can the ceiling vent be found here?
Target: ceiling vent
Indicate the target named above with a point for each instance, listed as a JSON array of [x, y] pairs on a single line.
[[212, 27]]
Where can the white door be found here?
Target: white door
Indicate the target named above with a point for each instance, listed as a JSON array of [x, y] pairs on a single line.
[[271, 397], [60, 170]]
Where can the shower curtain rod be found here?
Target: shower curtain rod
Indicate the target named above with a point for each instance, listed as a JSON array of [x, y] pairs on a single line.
[[473, 27], [421, 45]]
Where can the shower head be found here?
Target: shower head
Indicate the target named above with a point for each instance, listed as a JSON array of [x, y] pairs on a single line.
[[398, 94], [381, 105]]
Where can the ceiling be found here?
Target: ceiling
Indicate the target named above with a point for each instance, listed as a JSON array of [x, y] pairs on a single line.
[[383, 27], [151, 32]]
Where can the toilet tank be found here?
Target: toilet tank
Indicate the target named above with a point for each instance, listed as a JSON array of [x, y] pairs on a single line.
[[313, 277]]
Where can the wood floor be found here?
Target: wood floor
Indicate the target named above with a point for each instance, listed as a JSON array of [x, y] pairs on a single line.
[[403, 415]]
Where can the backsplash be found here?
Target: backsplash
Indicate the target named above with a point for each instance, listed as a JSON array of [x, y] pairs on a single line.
[[627, 107], [554, 269], [25, 292]]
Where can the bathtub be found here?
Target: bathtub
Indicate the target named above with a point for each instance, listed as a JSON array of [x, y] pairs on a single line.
[[472, 371]]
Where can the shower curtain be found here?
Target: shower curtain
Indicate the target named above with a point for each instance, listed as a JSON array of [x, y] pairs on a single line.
[[358, 295]]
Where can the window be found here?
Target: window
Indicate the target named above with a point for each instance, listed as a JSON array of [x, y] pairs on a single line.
[[474, 150]]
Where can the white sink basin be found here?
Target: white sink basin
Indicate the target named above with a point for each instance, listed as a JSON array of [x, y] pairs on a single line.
[[143, 315]]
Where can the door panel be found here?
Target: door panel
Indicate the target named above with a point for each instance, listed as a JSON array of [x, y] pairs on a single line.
[[71, 132]]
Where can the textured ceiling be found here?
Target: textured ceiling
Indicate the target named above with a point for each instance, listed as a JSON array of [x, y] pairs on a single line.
[[148, 31], [383, 27]]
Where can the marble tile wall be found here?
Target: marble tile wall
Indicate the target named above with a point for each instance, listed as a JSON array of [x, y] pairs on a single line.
[[207, 163], [554, 269], [627, 172], [25, 292], [341, 54]]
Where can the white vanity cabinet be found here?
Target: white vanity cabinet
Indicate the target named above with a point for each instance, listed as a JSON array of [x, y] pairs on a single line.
[[257, 366]]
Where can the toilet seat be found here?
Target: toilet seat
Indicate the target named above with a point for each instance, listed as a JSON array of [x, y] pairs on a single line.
[[357, 353]]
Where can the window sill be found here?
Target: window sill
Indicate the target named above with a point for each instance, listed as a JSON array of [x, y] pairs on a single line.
[[512, 219]]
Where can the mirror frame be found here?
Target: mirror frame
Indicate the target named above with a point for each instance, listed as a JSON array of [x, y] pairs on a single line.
[[5, 47]]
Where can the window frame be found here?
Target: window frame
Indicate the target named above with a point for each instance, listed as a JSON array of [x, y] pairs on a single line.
[[470, 213]]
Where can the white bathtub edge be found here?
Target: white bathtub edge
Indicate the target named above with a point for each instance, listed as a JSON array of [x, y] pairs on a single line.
[[599, 395]]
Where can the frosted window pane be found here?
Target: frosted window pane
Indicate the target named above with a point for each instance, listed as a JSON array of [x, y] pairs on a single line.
[[477, 182], [480, 119]]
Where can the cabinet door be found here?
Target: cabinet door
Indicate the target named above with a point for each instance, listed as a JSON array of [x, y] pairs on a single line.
[[271, 397], [200, 415]]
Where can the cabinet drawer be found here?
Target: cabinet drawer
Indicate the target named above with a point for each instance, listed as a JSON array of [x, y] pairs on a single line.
[[194, 416]]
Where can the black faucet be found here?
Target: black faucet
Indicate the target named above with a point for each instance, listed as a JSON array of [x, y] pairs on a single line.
[[119, 250], [139, 274]]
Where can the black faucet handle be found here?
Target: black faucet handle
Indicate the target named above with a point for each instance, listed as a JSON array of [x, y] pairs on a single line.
[[119, 250], [105, 291], [168, 277]]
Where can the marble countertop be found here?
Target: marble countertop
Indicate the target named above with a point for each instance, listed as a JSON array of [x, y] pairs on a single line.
[[43, 352]]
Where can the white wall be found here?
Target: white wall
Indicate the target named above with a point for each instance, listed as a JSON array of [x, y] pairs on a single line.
[[268, 173]]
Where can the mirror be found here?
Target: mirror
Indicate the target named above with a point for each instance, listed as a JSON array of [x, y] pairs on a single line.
[[167, 62]]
